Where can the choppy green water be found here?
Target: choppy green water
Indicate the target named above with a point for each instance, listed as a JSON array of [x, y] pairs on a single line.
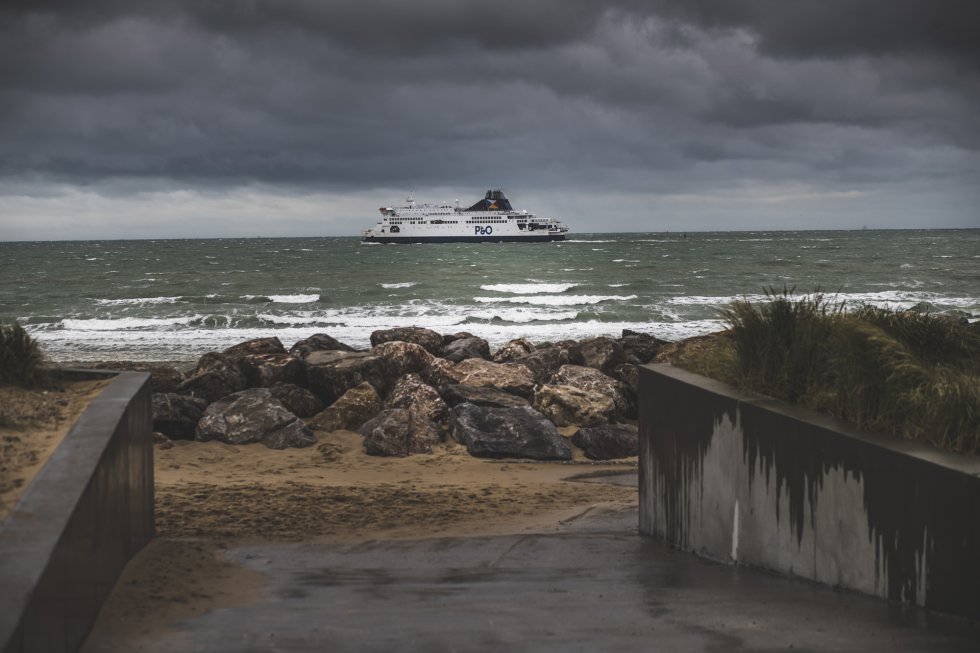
[[174, 299]]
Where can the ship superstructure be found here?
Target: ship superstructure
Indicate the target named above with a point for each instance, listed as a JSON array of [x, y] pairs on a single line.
[[492, 219]]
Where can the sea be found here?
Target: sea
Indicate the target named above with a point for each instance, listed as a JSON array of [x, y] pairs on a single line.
[[172, 300]]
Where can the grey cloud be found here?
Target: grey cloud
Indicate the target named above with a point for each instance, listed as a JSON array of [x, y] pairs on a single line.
[[841, 28], [636, 97]]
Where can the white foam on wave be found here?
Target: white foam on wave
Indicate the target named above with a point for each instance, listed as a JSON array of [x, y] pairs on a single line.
[[555, 300], [294, 299], [529, 288], [286, 299], [188, 344], [894, 299], [137, 301], [392, 286], [521, 315], [125, 324]]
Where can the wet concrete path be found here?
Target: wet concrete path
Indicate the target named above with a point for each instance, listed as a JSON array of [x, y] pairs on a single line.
[[593, 585]]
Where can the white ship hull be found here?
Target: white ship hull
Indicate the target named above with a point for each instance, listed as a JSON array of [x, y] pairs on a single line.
[[490, 220]]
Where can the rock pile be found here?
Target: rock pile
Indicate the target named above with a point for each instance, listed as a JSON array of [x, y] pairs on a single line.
[[414, 388]]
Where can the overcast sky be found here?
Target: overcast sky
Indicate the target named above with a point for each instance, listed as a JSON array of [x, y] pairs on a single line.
[[200, 118]]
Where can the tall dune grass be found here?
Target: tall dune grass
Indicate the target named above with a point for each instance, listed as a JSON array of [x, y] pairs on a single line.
[[911, 374], [21, 360]]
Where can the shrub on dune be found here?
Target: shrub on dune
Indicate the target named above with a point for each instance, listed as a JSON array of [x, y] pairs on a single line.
[[912, 374]]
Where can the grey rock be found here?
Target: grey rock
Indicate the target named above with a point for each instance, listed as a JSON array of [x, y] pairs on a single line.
[[265, 370], [514, 378], [629, 374], [641, 346], [163, 377], [411, 393], [256, 346], [329, 374], [176, 415], [600, 353], [440, 373], [252, 416], [297, 400], [398, 432], [607, 442], [466, 348], [216, 376], [426, 338], [513, 350], [544, 362], [567, 405], [481, 396], [356, 406], [592, 380], [507, 433], [404, 357], [318, 342]]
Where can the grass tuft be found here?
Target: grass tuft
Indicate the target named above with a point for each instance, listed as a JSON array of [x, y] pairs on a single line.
[[21, 360], [912, 374]]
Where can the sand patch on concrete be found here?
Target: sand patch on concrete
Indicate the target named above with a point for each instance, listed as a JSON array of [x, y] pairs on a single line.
[[212, 496]]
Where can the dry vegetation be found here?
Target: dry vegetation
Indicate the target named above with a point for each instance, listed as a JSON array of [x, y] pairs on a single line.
[[912, 374]]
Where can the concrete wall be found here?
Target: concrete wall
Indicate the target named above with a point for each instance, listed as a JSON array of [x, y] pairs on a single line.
[[81, 519], [745, 479]]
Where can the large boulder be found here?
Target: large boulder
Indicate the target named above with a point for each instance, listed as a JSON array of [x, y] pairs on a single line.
[[356, 406], [544, 362], [329, 374], [411, 393], [514, 378], [466, 348], [600, 353], [299, 401], [175, 415], [252, 416], [607, 442], [513, 350], [403, 357], [256, 346], [265, 370], [426, 338], [592, 380], [163, 377], [481, 396], [398, 432], [441, 372], [566, 405], [507, 433], [318, 342], [641, 346], [629, 374], [216, 376]]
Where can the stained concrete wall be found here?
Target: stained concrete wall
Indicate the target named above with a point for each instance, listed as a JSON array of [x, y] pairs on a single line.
[[87, 512], [745, 479]]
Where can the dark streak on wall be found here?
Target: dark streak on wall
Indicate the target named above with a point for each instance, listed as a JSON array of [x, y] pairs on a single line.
[[922, 507]]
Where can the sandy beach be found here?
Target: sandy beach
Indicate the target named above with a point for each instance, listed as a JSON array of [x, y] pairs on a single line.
[[211, 496], [33, 422]]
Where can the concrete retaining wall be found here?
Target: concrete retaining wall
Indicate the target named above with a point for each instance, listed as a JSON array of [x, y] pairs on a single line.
[[87, 512], [746, 479]]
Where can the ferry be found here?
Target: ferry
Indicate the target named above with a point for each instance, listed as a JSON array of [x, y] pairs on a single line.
[[492, 220]]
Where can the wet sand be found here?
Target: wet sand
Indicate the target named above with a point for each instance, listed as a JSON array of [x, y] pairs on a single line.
[[212, 497]]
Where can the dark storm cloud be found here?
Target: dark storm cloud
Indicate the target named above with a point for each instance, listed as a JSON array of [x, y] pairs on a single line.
[[840, 28], [633, 96]]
